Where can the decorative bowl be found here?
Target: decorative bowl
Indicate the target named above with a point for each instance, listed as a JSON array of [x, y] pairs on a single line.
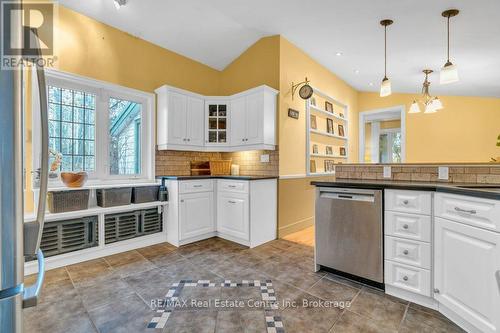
[[74, 179]]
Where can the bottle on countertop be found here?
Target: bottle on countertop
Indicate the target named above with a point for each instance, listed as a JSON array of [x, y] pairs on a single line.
[[163, 193]]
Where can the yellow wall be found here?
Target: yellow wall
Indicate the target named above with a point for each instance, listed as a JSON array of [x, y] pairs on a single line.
[[296, 196], [258, 65], [464, 131], [87, 47]]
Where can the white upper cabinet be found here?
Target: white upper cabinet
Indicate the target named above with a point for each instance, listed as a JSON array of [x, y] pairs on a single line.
[[188, 121], [217, 119]]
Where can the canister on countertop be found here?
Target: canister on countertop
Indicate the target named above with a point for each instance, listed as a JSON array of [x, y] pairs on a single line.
[[235, 170]]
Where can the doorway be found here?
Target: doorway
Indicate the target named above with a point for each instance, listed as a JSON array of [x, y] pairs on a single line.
[[382, 135]]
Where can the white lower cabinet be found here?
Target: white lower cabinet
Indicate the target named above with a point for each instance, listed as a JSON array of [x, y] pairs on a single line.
[[467, 273], [463, 239], [243, 211], [232, 215], [196, 214]]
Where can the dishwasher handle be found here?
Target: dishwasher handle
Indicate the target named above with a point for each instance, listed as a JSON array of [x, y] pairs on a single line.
[[366, 197]]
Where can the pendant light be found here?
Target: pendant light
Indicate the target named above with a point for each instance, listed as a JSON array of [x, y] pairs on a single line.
[[431, 103], [385, 87], [449, 72]]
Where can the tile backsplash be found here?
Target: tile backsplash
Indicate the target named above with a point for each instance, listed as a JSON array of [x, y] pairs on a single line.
[[483, 174], [177, 163]]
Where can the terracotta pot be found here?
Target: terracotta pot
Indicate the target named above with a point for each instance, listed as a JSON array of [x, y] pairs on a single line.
[[74, 179]]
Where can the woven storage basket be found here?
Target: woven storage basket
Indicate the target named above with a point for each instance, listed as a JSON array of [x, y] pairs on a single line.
[[220, 167]]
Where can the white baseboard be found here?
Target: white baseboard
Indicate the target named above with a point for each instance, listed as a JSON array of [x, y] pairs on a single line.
[[458, 320], [296, 226], [94, 253]]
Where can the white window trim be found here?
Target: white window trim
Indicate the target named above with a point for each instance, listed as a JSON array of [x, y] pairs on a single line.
[[103, 90]]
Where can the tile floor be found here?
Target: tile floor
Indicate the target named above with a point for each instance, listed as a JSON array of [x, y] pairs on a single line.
[[121, 293]]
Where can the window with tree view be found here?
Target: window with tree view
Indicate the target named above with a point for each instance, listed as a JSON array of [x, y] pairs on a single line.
[[124, 137], [72, 129]]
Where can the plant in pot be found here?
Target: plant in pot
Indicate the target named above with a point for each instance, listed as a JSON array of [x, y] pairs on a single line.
[[497, 160]]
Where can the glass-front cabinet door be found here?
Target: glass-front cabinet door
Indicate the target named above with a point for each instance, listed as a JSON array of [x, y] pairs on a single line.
[[217, 116]]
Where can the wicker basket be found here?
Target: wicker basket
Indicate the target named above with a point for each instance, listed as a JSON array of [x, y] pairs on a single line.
[[220, 167]]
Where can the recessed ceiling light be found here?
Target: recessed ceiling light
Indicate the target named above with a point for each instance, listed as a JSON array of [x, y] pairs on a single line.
[[338, 54], [119, 3], [370, 84], [356, 71]]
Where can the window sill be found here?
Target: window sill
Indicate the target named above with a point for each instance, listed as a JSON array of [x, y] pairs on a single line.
[[98, 185]]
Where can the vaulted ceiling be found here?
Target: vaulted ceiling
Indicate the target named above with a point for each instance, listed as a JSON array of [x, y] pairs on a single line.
[[215, 32]]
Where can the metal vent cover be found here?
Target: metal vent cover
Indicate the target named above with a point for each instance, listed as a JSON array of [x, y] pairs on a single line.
[[118, 227], [69, 235]]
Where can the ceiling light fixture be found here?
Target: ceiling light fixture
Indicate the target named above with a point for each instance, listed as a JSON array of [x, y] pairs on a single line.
[[431, 104], [338, 54], [449, 72], [385, 87], [119, 3]]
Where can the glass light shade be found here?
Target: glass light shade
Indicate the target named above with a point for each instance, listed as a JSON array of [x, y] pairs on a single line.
[[414, 108], [430, 108], [449, 73], [385, 87], [436, 104]]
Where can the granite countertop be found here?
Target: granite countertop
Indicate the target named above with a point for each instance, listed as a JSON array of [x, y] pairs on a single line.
[[487, 191], [218, 177]]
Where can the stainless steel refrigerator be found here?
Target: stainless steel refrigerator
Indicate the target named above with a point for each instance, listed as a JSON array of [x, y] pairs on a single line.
[[19, 241]]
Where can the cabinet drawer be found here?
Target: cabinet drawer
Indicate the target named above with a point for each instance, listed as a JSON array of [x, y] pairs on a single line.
[[411, 226], [416, 280], [408, 252], [478, 212], [193, 186], [408, 201], [236, 186]]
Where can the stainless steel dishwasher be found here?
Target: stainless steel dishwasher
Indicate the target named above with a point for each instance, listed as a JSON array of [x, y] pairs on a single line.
[[349, 233]]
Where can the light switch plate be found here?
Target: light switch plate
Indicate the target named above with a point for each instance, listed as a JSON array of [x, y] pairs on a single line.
[[387, 172], [264, 158], [443, 173]]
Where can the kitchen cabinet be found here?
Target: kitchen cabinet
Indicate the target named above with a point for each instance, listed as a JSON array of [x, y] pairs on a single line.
[[189, 121], [467, 273], [180, 120], [242, 211], [232, 215], [196, 214], [217, 122], [462, 237]]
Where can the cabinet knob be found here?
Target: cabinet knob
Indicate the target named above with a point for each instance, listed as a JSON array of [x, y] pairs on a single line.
[[182, 200], [436, 290], [405, 252], [405, 202], [405, 278], [405, 226], [189, 139]]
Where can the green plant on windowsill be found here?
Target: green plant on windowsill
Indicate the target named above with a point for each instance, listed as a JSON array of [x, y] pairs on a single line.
[[497, 160]]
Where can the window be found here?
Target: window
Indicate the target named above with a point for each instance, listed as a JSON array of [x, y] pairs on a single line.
[[97, 127], [72, 129], [390, 146], [124, 136]]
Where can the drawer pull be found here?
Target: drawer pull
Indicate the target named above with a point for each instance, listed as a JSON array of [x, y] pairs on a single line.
[[436, 290], [231, 201], [405, 202], [405, 278], [231, 186], [405, 226], [460, 210], [405, 252], [497, 274], [197, 185]]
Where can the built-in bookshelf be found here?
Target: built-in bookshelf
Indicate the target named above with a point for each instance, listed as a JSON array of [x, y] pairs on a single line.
[[327, 138]]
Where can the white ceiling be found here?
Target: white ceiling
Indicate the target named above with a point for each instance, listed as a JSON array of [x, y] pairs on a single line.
[[215, 32]]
